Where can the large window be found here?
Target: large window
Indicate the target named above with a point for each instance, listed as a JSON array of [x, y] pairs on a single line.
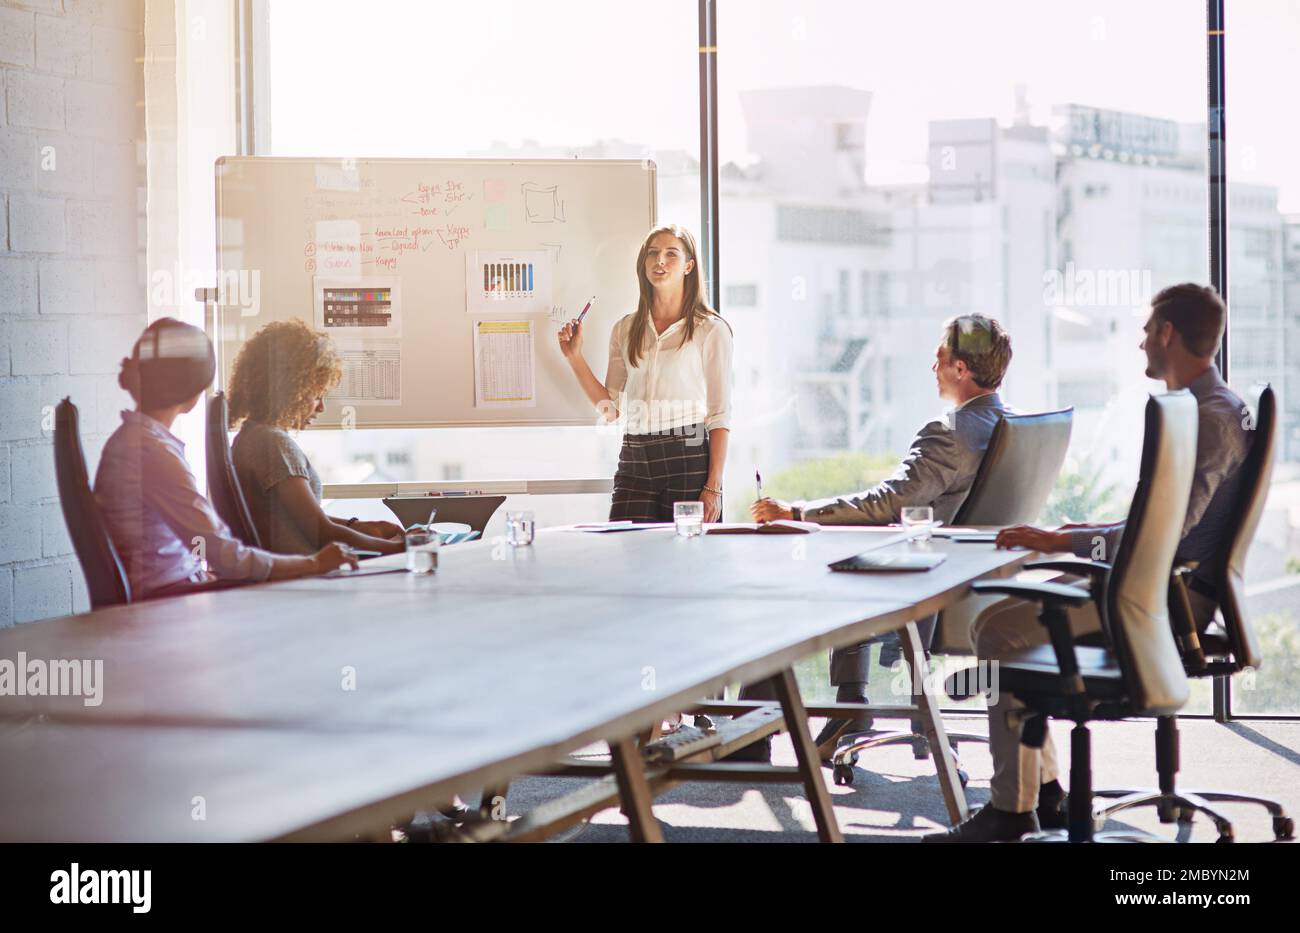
[[507, 79], [1263, 37], [1040, 163]]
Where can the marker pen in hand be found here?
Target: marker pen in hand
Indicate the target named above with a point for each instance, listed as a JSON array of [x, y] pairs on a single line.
[[586, 309]]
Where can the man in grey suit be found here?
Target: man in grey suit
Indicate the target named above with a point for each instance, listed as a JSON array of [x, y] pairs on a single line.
[[941, 462], [1180, 338]]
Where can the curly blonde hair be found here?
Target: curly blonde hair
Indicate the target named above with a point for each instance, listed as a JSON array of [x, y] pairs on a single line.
[[279, 373]]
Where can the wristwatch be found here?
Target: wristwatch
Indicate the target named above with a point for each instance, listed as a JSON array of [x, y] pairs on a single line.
[[352, 521], [796, 512]]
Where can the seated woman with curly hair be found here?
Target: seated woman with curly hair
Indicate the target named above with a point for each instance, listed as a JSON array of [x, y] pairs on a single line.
[[150, 500], [278, 385]]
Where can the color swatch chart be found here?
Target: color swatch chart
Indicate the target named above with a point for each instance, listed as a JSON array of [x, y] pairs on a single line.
[[508, 279], [358, 307]]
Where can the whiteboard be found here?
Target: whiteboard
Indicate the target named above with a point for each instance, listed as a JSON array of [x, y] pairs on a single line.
[[410, 264]]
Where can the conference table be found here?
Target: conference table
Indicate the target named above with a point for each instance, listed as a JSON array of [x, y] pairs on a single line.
[[327, 708]]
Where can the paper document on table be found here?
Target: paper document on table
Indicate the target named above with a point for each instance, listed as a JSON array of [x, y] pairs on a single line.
[[504, 365], [624, 525], [778, 527]]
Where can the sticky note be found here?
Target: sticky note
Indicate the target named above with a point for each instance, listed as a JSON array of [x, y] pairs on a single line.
[[496, 216], [494, 190]]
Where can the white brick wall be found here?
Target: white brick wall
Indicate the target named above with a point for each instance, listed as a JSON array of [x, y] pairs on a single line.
[[42, 591], [34, 100], [63, 47], [67, 286], [17, 37], [71, 132]]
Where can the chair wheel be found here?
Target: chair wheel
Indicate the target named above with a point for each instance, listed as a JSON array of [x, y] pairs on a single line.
[[920, 747], [1283, 827], [963, 777], [843, 775], [1168, 813]]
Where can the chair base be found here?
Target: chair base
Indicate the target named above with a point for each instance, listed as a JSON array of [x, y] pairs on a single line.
[[1182, 806], [1062, 835], [846, 756]]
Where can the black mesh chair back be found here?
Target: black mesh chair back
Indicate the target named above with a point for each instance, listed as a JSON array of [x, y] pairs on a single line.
[[106, 579]]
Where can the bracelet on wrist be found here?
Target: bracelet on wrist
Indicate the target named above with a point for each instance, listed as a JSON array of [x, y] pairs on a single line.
[[711, 489]]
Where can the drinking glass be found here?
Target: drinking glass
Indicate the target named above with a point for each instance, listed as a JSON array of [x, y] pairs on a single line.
[[422, 544], [519, 528], [918, 521], [689, 518]]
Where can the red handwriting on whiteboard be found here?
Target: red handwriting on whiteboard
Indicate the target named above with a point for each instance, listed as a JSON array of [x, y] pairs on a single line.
[[422, 194], [452, 235], [455, 193]]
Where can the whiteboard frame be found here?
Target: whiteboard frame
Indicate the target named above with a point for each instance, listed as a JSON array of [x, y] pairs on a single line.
[[217, 328]]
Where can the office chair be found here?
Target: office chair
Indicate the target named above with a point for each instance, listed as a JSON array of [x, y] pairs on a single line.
[[223, 483], [1015, 478], [1214, 654], [1141, 673], [106, 579]]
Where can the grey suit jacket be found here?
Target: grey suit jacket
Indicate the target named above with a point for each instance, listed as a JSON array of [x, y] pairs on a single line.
[[937, 471]]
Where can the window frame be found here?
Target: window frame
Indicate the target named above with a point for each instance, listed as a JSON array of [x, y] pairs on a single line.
[[255, 135]]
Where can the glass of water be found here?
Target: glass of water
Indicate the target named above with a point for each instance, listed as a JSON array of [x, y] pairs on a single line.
[[918, 520], [519, 528], [422, 544], [689, 518]]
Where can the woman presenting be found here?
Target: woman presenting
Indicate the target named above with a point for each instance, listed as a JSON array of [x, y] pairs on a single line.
[[669, 378]]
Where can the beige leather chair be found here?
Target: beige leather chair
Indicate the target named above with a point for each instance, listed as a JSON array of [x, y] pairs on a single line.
[[1227, 648], [1141, 674], [1015, 478]]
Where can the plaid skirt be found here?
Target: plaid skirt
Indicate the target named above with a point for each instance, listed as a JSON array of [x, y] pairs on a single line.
[[656, 470]]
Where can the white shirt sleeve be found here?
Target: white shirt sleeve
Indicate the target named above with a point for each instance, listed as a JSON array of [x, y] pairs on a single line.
[[716, 353], [616, 371]]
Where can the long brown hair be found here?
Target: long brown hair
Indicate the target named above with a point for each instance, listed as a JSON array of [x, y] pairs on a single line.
[[692, 295]]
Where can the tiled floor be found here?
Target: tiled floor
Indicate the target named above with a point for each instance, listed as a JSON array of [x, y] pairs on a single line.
[[895, 798]]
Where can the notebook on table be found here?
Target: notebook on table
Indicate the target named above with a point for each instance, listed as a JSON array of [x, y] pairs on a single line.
[[889, 562], [781, 526]]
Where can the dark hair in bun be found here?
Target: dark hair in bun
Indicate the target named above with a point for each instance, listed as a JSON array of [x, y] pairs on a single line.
[[171, 363]]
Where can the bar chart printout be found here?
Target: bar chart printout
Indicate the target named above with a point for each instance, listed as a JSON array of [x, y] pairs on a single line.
[[504, 365], [503, 282]]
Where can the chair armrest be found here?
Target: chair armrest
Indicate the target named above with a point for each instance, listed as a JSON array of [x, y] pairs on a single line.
[[1034, 592], [1183, 621], [1081, 568], [1054, 598]]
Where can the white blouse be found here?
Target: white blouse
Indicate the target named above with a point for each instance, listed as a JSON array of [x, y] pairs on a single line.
[[673, 385]]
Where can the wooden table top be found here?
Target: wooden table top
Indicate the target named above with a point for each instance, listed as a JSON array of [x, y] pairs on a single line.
[[499, 663]]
